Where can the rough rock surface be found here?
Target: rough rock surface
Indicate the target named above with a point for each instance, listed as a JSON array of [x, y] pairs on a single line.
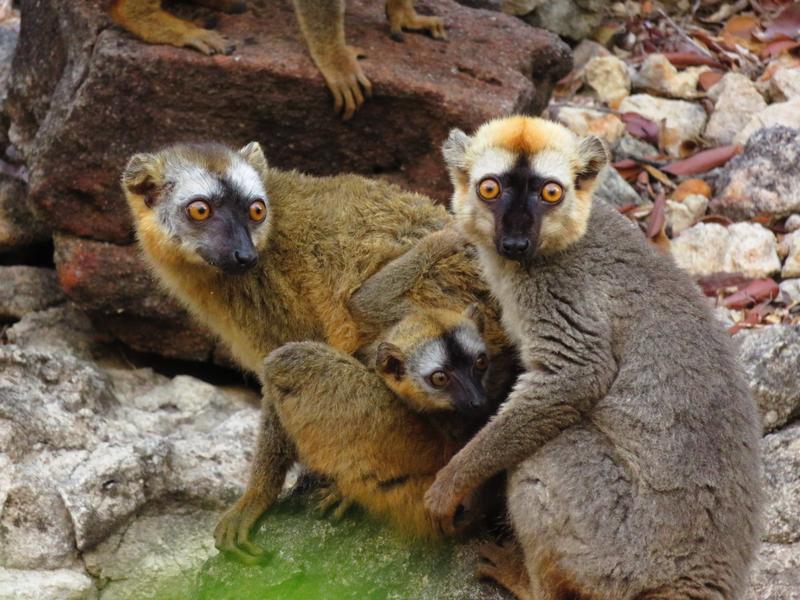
[[737, 101], [608, 77], [785, 114], [770, 356], [782, 485], [613, 189], [682, 215], [657, 75], [791, 264], [701, 248], [60, 584], [18, 226], [785, 84], [574, 19], [763, 179], [27, 289], [682, 121], [584, 122]]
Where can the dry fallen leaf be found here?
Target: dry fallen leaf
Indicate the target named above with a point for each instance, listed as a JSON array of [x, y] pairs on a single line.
[[691, 187], [703, 161], [709, 79], [784, 26], [757, 290], [640, 127]]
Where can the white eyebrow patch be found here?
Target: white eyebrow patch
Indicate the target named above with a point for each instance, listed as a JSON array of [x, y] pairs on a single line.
[[471, 343], [492, 161], [246, 179], [429, 358], [553, 164], [191, 181]]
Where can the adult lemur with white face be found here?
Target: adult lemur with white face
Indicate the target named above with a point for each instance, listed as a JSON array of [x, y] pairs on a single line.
[[631, 440]]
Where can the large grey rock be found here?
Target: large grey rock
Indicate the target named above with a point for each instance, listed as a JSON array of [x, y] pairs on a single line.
[[776, 574], [64, 328], [781, 452], [613, 188], [25, 290], [780, 114], [573, 19], [19, 227], [681, 121], [737, 101], [771, 357], [763, 179], [61, 584]]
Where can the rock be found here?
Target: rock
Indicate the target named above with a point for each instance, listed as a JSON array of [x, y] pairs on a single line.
[[27, 289], [585, 121], [691, 187], [657, 75], [786, 114], [158, 556], [608, 77], [613, 188], [775, 573], [573, 19], [682, 215], [785, 84], [18, 226], [770, 356], [700, 250], [781, 451], [751, 250], [61, 584], [737, 101], [790, 290], [9, 33], [682, 121], [762, 179], [792, 223], [631, 147], [62, 328], [114, 286], [791, 266], [68, 66]]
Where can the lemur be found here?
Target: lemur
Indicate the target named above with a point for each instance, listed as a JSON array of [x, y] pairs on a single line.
[[265, 257], [631, 440], [383, 445], [322, 25]]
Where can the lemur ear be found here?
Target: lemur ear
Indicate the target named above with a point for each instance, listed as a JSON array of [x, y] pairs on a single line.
[[390, 360], [474, 313], [455, 150], [254, 155], [594, 156], [140, 177]]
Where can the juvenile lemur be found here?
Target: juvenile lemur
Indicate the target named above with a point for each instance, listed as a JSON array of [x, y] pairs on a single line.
[[322, 25], [631, 439], [265, 257]]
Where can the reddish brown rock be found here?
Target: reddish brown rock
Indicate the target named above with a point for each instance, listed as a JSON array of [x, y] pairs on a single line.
[[84, 96]]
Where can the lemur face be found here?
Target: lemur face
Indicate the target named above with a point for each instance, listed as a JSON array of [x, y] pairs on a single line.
[[208, 201], [523, 185], [436, 361]]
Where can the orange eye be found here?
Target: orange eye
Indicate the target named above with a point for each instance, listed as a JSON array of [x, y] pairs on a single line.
[[439, 379], [199, 210], [258, 211], [489, 188], [552, 192]]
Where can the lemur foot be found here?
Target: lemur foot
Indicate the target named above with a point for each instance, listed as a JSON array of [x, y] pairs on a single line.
[[206, 41], [505, 564], [401, 15], [329, 497], [232, 534], [345, 79]]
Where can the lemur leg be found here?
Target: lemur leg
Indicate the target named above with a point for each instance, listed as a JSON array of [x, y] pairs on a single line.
[[322, 24], [146, 20], [274, 455], [505, 564], [348, 426], [228, 6], [401, 15]]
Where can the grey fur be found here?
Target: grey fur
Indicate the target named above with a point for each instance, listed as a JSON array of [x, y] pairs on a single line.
[[632, 439]]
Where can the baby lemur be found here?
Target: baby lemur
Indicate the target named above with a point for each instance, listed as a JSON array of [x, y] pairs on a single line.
[[387, 446], [265, 257], [322, 24], [631, 439]]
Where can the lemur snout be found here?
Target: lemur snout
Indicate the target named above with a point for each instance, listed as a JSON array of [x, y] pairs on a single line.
[[245, 258], [515, 247]]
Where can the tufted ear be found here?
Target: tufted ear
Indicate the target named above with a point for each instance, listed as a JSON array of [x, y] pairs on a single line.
[[594, 156], [390, 360], [474, 313], [455, 150], [141, 176], [254, 155]]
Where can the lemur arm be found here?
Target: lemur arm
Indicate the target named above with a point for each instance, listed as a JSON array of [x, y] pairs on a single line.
[[543, 403], [322, 24], [379, 301]]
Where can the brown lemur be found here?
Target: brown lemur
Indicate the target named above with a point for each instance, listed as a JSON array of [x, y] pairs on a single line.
[[631, 439], [322, 25], [265, 257]]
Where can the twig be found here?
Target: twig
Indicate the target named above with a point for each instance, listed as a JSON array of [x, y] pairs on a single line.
[[684, 35]]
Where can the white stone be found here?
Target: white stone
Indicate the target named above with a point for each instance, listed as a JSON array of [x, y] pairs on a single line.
[[738, 100], [783, 113], [60, 584], [785, 83], [792, 223], [700, 250], [682, 121], [608, 77], [751, 250], [585, 121], [657, 75], [682, 215], [791, 266], [790, 288]]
